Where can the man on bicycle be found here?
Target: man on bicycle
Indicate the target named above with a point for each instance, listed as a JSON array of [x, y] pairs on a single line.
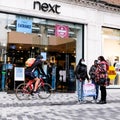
[[29, 71]]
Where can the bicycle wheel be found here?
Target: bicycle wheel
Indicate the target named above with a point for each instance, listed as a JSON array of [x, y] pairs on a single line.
[[44, 91], [21, 92]]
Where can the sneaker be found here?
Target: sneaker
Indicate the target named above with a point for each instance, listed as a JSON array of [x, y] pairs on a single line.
[[102, 102], [78, 103], [99, 102], [34, 92], [52, 89], [94, 101], [82, 101]]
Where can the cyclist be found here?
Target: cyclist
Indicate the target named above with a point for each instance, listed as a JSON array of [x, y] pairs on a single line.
[[29, 71]]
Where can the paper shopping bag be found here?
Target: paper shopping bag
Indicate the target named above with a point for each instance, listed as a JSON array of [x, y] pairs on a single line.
[[89, 90]]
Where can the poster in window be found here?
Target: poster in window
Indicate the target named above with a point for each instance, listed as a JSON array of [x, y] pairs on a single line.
[[19, 74], [61, 31]]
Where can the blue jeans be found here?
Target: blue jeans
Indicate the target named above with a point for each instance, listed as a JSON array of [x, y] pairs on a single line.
[[97, 90], [80, 90], [53, 82]]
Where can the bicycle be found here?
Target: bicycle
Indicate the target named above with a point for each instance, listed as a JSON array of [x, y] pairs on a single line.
[[24, 90]]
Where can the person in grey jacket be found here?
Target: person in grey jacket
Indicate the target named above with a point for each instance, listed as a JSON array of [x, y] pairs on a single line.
[[92, 73]]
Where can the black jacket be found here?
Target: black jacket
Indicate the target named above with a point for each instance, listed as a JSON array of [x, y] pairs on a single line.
[[36, 65], [81, 71]]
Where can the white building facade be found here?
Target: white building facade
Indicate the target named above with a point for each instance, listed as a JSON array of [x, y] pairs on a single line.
[[97, 24]]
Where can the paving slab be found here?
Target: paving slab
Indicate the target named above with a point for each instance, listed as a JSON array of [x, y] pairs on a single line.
[[60, 106]]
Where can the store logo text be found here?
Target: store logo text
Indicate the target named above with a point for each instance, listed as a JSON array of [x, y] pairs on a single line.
[[46, 7]]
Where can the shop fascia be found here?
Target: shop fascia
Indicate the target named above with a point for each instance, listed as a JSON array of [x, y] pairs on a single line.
[[46, 7]]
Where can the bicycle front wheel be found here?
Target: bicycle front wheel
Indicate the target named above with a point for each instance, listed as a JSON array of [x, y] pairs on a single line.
[[21, 92], [44, 91]]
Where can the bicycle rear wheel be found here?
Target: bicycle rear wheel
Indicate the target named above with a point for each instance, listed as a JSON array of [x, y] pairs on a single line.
[[21, 92], [44, 91]]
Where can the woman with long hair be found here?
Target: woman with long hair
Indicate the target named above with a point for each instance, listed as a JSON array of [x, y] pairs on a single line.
[[101, 73]]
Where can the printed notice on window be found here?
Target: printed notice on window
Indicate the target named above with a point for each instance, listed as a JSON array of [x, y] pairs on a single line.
[[19, 74]]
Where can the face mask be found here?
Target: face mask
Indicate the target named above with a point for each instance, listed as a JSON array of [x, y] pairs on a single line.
[[98, 61], [83, 62]]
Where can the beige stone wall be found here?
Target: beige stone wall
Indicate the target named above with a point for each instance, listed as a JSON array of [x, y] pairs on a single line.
[[116, 2]]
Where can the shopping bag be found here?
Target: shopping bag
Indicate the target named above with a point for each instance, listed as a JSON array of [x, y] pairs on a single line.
[[89, 90]]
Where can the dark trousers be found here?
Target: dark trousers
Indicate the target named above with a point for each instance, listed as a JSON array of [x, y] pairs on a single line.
[[103, 93]]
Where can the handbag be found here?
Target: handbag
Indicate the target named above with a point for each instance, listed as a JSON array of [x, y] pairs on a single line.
[[102, 81], [89, 90], [108, 81]]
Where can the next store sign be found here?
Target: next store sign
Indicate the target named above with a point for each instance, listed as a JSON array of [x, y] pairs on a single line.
[[46, 7]]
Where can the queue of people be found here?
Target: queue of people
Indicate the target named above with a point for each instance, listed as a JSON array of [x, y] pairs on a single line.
[[98, 77]]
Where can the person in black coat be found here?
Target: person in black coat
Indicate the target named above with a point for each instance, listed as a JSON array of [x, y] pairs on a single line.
[[81, 76]]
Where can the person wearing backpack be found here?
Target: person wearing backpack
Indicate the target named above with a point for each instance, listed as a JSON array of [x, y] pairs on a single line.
[[81, 75], [102, 75], [29, 71]]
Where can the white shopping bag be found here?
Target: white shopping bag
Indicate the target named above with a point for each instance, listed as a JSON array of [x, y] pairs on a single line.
[[89, 90]]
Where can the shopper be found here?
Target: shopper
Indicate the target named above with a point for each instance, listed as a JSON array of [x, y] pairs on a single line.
[[54, 68], [81, 75], [102, 76], [92, 73], [49, 72]]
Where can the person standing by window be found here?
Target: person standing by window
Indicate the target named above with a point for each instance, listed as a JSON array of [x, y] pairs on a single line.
[[49, 72], [54, 67], [92, 73], [102, 76], [81, 75]]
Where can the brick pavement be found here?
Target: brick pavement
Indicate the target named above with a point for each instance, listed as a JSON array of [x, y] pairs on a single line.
[[60, 106]]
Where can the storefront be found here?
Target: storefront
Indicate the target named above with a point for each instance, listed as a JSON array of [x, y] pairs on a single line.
[[111, 41], [27, 36], [55, 29]]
